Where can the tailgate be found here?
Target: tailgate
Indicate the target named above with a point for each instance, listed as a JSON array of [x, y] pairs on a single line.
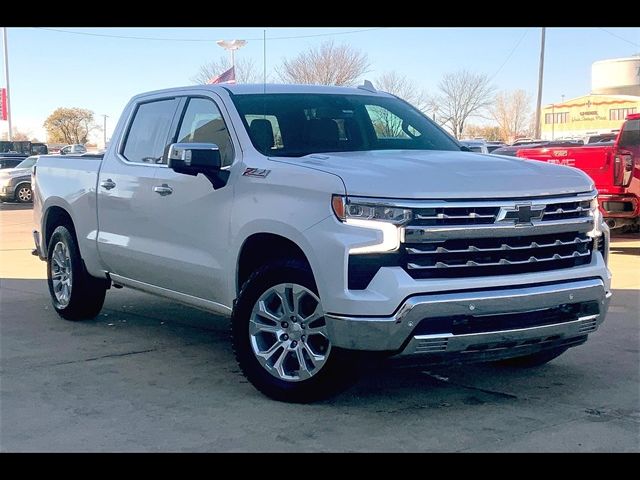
[[595, 161]]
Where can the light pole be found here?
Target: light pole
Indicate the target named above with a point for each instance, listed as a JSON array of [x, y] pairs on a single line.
[[540, 73], [104, 129], [232, 46], [6, 78]]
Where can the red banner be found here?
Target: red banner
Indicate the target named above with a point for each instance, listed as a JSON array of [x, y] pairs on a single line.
[[3, 103]]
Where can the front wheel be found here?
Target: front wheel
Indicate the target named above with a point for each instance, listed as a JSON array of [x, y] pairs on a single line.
[[75, 294], [24, 193], [280, 338]]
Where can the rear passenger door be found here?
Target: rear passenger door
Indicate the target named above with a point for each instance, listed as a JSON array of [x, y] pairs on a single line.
[[126, 200]]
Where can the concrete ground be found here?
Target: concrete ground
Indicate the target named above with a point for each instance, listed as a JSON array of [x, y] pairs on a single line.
[[151, 375]]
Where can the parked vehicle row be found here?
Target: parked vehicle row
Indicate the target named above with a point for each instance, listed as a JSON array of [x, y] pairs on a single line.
[[330, 223], [15, 183], [613, 166]]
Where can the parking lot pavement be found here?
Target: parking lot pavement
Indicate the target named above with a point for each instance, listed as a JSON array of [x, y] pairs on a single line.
[[151, 375]]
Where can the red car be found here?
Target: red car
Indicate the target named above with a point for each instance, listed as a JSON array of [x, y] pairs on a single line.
[[613, 166]]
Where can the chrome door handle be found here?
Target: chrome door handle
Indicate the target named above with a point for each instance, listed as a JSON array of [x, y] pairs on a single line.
[[163, 190], [108, 184]]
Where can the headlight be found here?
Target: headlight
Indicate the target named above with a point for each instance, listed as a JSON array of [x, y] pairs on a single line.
[[367, 214], [597, 219]]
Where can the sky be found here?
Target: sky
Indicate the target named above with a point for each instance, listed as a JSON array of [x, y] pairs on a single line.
[[51, 69]]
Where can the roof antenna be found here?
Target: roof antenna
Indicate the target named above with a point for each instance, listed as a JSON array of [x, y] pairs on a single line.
[[367, 85]]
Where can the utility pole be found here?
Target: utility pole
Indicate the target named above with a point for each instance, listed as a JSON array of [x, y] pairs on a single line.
[[6, 78], [104, 129], [540, 72]]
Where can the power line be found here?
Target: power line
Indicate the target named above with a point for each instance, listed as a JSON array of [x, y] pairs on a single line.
[[619, 37], [510, 54], [161, 39]]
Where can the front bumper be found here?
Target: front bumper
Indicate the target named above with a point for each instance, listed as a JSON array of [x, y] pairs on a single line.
[[396, 333], [7, 192]]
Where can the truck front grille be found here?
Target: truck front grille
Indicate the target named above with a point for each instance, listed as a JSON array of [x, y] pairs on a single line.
[[487, 213], [457, 239], [497, 256]]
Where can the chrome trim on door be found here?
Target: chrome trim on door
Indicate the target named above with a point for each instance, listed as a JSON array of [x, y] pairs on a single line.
[[108, 184], [163, 190]]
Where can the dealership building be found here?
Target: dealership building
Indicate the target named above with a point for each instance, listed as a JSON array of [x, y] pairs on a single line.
[[615, 93]]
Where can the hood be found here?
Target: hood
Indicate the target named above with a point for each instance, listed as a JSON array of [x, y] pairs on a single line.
[[437, 174], [14, 172]]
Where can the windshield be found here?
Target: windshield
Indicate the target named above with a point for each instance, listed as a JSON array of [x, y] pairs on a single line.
[[27, 162], [294, 125]]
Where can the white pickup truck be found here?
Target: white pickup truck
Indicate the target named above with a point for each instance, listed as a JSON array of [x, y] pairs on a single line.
[[326, 222]]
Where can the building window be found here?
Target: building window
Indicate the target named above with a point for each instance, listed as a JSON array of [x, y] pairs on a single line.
[[620, 113], [559, 118]]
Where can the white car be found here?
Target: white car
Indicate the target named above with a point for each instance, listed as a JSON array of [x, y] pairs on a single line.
[[75, 149], [477, 146], [328, 223]]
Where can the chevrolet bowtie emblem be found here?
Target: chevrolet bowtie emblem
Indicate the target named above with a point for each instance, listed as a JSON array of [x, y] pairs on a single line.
[[521, 214]]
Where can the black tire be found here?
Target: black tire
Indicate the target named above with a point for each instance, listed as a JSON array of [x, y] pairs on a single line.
[[86, 293], [23, 193], [533, 360], [338, 373]]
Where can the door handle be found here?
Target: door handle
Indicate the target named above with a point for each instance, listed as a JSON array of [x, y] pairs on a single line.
[[108, 184], [163, 190]]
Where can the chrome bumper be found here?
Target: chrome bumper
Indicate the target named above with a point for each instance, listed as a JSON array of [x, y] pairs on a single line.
[[395, 333]]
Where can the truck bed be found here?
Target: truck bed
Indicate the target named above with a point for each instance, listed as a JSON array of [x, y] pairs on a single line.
[[69, 182]]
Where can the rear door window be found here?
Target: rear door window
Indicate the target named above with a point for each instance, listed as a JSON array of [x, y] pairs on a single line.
[[148, 134]]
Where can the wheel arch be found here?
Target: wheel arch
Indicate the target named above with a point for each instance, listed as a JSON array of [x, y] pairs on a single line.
[[55, 216], [261, 248]]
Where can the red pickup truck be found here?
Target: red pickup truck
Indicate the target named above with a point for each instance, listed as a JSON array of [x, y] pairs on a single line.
[[613, 166]]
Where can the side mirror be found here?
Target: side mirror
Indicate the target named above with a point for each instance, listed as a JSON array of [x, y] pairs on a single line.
[[194, 158]]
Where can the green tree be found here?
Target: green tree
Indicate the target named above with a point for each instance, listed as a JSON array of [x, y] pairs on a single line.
[[69, 125]]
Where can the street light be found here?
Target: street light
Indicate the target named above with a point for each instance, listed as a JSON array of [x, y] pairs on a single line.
[[104, 130], [232, 46]]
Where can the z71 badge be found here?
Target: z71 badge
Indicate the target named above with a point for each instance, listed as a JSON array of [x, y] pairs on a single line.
[[256, 172]]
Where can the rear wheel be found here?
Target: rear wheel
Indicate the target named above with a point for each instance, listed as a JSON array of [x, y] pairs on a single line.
[[75, 294], [280, 338], [24, 193], [533, 360]]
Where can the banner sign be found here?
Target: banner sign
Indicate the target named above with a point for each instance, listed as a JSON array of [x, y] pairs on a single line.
[[3, 104]]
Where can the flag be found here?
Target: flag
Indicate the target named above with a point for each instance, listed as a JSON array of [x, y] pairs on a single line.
[[225, 77]]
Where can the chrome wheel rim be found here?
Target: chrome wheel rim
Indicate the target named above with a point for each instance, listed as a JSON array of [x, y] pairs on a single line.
[[288, 332], [61, 274], [24, 194]]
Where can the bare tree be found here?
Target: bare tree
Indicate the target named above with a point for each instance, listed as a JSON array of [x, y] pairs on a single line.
[[488, 132], [328, 64], [19, 135], [512, 112], [386, 123], [403, 87], [245, 70], [462, 94]]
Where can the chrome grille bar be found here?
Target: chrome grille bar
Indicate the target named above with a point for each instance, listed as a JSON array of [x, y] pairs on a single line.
[[503, 261], [503, 247], [421, 234]]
